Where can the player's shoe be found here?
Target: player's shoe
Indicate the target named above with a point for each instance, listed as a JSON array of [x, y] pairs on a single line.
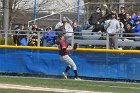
[[65, 75], [77, 79]]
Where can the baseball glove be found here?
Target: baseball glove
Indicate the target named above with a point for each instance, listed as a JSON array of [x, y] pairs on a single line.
[[75, 46]]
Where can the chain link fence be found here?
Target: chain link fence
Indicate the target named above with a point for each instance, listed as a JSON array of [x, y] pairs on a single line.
[[85, 11], [85, 38]]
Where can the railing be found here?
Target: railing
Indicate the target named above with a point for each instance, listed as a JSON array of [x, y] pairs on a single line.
[[84, 39]]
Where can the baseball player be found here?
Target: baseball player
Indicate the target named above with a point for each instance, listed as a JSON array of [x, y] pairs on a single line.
[[63, 52]]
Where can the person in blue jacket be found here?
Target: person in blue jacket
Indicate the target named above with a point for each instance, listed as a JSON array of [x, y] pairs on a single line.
[[137, 27], [49, 37], [136, 30]]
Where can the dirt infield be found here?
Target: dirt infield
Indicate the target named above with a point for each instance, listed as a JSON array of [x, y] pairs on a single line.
[[22, 87]]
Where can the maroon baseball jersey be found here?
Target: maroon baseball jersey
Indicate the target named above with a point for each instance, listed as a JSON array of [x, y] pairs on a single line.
[[62, 45]]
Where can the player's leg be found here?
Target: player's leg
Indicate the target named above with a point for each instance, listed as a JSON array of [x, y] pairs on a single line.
[[65, 72], [67, 68], [71, 63]]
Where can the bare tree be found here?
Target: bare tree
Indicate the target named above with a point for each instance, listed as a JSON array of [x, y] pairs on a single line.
[[22, 8]]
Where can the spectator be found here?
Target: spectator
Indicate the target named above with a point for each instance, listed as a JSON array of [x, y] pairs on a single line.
[[44, 37], [58, 26], [135, 17], [112, 29], [23, 38], [128, 20], [34, 37], [121, 29], [16, 36], [33, 40], [19, 37], [35, 28], [77, 29], [128, 30], [49, 37], [137, 29], [87, 26], [95, 20], [68, 30], [127, 34], [122, 15], [106, 24], [106, 13]]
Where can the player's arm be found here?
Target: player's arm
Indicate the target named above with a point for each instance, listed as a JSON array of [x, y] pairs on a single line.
[[67, 48], [72, 48]]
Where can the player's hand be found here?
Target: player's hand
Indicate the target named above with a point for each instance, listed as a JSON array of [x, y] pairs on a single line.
[[105, 5], [75, 46]]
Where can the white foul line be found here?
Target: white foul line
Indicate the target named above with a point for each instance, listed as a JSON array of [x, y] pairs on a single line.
[[22, 87]]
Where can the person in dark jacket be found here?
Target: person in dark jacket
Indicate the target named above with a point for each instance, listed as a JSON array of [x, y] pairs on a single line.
[[16, 36], [128, 30], [122, 15], [95, 19]]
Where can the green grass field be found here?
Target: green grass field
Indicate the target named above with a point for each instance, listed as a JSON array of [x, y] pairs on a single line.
[[22, 91], [96, 86]]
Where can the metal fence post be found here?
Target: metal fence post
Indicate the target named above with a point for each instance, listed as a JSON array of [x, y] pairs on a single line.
[[6, 18], [72, 41], [38, 39], [107, 40], [116, 41]]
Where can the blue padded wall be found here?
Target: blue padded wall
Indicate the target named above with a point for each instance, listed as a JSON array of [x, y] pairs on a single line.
[[90, 64]]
